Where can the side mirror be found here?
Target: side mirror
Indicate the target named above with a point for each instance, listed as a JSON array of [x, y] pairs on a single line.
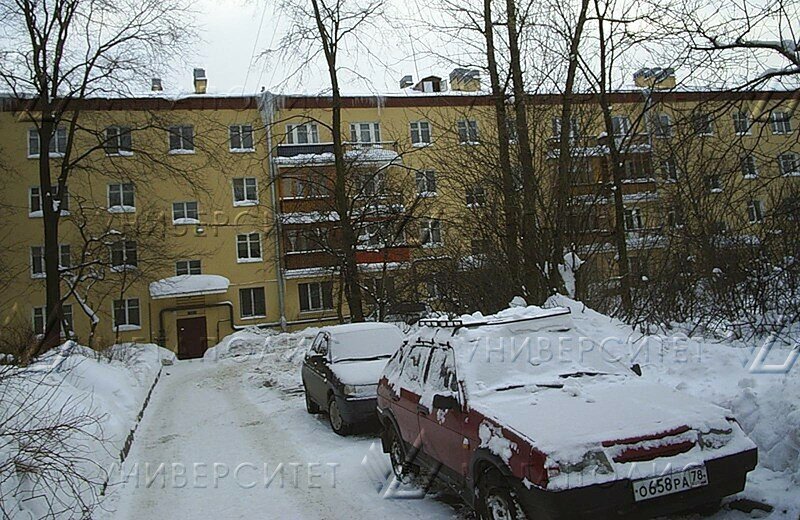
[[445, 402], [637, 369]]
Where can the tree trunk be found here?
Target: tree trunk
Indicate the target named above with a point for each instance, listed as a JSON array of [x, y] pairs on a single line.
[[562, 182], [510, 211], [530, 187]]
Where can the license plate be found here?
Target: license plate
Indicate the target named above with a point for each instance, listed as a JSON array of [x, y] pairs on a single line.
[[674, 483]]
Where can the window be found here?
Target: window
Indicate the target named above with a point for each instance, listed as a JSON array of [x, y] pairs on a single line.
[[675, 218], [183, 267], [39, 320], [748, 165], [35, 200], [126, 314], [121, 197], [181, 139], [305, 240], [252, 303], [755, 211], [315, 296], [184, 213], [245, 191], [637, 167], [633, 220], [365, 133], [426, 183], [241, 138], [637, 267], [248, 247], [433, 290], [713, 183], [420, 133], [702, 124], [741, 123], [302, 134], [377, 233], [663, 126], [124, 255], [64, 256], [61, 202], [574, 129], [467, 131], [58, 142], [37, 262], [371, 184], [476, 196], [118, 141], [305, 184], [669, 169], [430, 232], [789, 164], [781, 123], [621, 125]]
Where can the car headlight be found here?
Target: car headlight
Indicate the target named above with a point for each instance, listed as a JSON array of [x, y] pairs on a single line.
[[361, 390]]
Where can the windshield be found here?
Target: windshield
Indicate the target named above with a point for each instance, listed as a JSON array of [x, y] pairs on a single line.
[[365, 344], [504, 358]]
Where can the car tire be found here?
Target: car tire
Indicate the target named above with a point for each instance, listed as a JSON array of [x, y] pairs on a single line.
[[496, 501], [405, 472], [311, 406], [338, 424]]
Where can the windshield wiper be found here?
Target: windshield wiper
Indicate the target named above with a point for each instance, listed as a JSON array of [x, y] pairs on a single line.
[[539, 385], [581, 374], [373, 358]]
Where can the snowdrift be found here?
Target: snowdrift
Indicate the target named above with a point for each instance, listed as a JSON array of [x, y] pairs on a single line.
[[99, 394]]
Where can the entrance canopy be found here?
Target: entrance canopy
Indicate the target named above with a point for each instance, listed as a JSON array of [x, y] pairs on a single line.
[[189, 285]]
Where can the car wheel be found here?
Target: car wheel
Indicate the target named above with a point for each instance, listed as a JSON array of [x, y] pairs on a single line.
[[311, 406], [497, 501], [405, 471], [338, 423]]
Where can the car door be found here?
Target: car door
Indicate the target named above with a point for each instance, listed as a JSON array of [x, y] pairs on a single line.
[[315, 369], [409, 389], [442, 430]]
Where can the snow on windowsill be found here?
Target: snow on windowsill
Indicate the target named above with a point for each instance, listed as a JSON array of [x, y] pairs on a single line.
[[426, 194], [432, 245], [715, 190], [52, 155], [242, 150], [257, 317], [792, 174], [122, 268], [750, 177], [121, 153], [38, 276], [127, 328], [640, 180], [122, 209], [305, 252], [249, 260], [476, 205], [421, 144], [245, 203], [305, 197], [469, 143], [185, 221], [181, 151], [36, 214]]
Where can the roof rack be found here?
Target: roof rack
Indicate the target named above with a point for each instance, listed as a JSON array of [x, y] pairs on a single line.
[[457, 324]]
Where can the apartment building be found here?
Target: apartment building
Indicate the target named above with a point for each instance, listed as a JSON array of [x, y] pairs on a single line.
[[191, 216]]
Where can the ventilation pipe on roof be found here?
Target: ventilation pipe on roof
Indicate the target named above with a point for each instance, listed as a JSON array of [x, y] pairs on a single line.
[[155, 85], [200, 81]]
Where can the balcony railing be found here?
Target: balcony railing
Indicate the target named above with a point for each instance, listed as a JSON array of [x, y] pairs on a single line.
[[293, 150]]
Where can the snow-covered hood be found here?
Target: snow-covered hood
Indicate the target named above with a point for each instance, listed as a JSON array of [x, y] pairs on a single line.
[[588, 411], [359, 372]]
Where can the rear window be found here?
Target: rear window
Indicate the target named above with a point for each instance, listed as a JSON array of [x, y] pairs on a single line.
[[365, 344]]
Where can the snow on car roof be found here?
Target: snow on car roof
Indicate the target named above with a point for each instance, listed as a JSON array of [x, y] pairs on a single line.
[[353, 341]]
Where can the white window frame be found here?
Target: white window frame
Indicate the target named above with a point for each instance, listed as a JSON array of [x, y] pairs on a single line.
[[248, 184], [740, 117], [115, 140], [293, 133], [253, 315], [40, 270], [669, 169], [249, 241], [420, 133], [425, 180], [122, 189], [129, 248], [711, 186], [58, 143], [127, 305], [709, 127], [467, 130], [64, 251], [185, 219], [179, 132], [621, 125], [749, 167], [780, 122], [634, 216], [34, 212], [42, 315], [307, 287], [475, 196], [371, 128], [241, 131], [429, 229], [755, 211], [187, 267], [663, 127], [789, 158]]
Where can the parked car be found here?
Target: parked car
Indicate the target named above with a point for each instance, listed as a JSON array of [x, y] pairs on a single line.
[[341, 370], [519, 433]]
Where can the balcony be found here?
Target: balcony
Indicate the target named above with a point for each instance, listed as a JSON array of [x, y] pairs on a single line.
[[597, 146], [389, 254], [292, 150], [322, 153]]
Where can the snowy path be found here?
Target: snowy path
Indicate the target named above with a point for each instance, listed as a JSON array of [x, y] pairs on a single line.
[[206, 419]]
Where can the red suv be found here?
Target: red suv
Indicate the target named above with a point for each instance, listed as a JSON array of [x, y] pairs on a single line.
[[520, 429]]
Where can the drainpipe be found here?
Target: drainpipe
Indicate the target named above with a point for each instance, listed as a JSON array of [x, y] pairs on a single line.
[[267, 106]]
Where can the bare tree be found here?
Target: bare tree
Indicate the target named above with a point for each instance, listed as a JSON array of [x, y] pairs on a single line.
[[61, 52]]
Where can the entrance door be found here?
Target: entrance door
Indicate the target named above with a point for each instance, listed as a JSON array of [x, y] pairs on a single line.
[[192, 337]]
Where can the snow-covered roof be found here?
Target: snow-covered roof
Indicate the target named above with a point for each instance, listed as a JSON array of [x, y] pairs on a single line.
[[358, 155], [189, 285]]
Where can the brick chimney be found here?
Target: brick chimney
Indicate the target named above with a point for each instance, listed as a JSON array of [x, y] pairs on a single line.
[[200, 81]]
